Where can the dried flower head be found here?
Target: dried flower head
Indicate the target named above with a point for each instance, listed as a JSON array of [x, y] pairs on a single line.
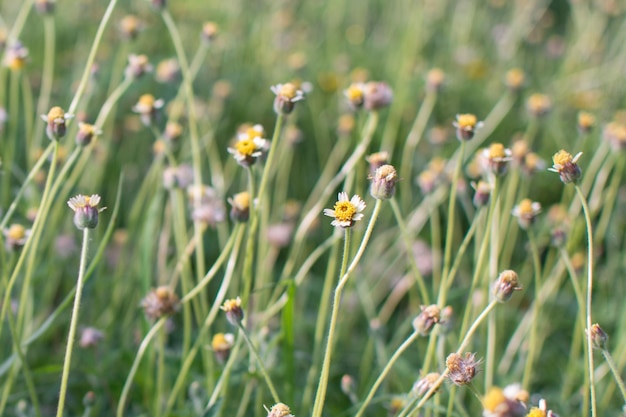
[[222, 345], [565, 165], [435, 79], [383, 182], [279, 410], [240, 207], [56, 122], [505, 285], [526, 212], [462, 369], [287, 95], [209, 31], [346, 212], [466, 125], [250, 145], [598, 336], [515, 79], [585, 122], [426, 320], [355, 94], [90, 337], [159, 302], [130, 26], [497, 158], [15, 56], [15, 237], [138, 65], [483, 192], [376, 95], [425, 383], [86, 133], [233, 310], [538, 105], [147, 107], [86, 210]]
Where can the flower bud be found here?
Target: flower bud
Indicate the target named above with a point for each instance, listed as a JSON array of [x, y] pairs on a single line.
[[376, 95], [240, 211], [86, 210], [222, 345], [233, 310], [505, 285], [383, 182], [466, 125], [286, 97], [426, 320], [598, 336], [56, 122]]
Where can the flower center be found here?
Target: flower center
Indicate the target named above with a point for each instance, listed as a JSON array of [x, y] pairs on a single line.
[[561, 158], [354, 93], [16, 232], [246, 147], [466, 120], [493, 398], [496, 150], [253, 133], [288, 90], [147, 100], [526, 207], [344, 211], [55, 113]]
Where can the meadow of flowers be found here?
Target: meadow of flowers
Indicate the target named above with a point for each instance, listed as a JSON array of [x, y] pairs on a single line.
[[279, 208]]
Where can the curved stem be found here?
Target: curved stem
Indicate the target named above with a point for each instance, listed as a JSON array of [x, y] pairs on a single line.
[[47, 74], [532, 343], [616, 375], [73, 323], [451, 208], [592, 390], [255, 352]]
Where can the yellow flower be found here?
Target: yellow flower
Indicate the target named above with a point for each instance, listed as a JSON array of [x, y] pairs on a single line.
[[565, 165], [249, 146], [466, 125], [346, 212]]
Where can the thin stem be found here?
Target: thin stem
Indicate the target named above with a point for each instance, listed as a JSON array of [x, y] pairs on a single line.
[[250, 244], [592, 390], [534, 329], [255, 352], [73, 323], [47, 74], [451, 207], [318, 406], [385, 371], [616, 375]]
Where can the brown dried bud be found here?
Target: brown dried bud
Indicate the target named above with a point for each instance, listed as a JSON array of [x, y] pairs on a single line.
[[505, 285]]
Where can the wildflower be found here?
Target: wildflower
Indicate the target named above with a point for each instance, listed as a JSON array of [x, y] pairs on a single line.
[[45, 6], [240, 210], [466, 125], [65, 246], [539, 105], [160, 302], [286, 97], [566, 166], [519, 150], [206, 207], [355, 94], [86, 210], [384, 182], [346, 212], [483, 191], [209, 31], [147, 107], [130, 26], [598, 336], [56, 122], [435, 80], [167, 71], [427, 180], [250, 146], [541, 411], [376, 95], [585, 122], [424, 384], [526, 212], [497, 157], [533, 163], [376, 160], [462, 369], [505, 285], [498, 402], [279, 235], [138, 65], [615, 134], [86, 132], [221, 345], [345, 125], [446, 319], [233, 310], [90, 337], [348, 385], [426, 320], [279, 410], [15, 56], [515, 78], [173, 131], [15, 237]]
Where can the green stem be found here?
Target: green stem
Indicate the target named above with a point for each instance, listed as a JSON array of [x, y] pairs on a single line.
[[409, 251], [385, 371], [250, 244], [451, 207], [47, 76], [616, 375], [534, 329], [592, 390], [255, 352], [74, 322], [318, 406]]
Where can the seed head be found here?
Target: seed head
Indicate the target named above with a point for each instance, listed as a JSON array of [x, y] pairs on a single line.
[[279, 410], [426, 320], [376, 95], [425, 383], [86, 210], [383, 182], [160, 302], [506, 284], [462, 369]]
